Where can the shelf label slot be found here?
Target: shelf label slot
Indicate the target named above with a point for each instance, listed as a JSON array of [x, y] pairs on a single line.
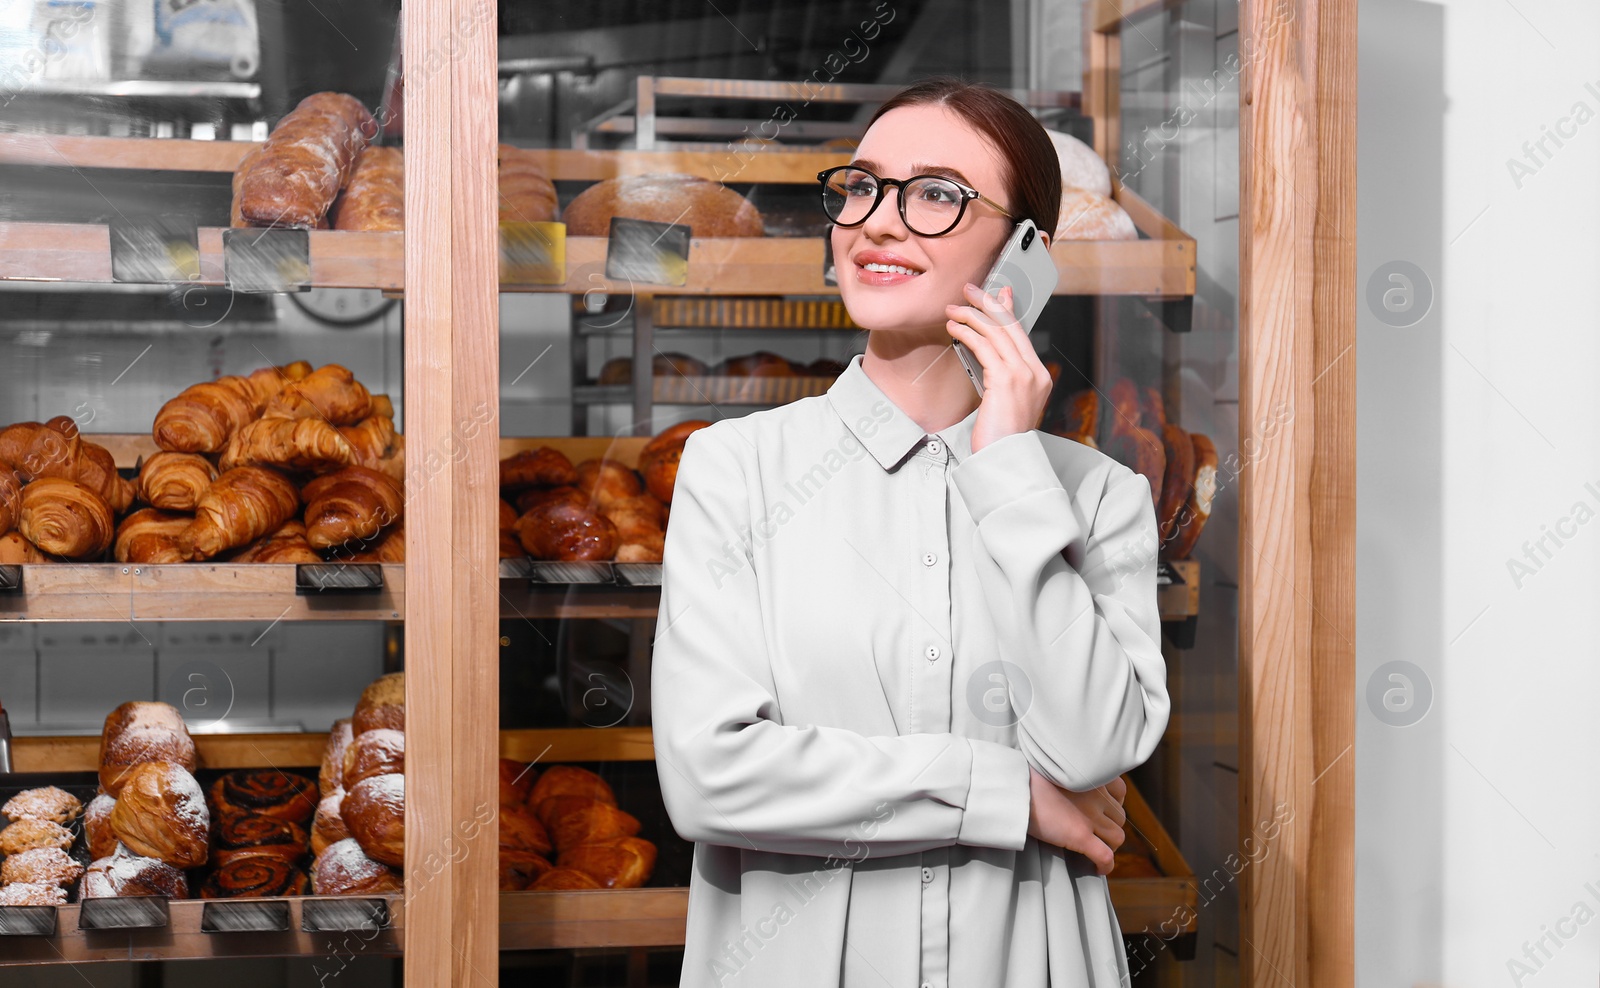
[[344, 915], [315, 578], [245, 916], [133, 912], [645, 251], [533, 253], [267, 260], [27, 921], [10, 579], [154, 250]]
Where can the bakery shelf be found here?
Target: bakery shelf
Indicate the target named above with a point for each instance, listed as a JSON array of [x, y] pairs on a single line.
[[183, 938], [643, 917], [231, 751], [1143, 905], [678, 389]]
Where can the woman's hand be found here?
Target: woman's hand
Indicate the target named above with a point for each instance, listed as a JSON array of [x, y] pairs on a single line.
[[1016, 384], [1087, 822]]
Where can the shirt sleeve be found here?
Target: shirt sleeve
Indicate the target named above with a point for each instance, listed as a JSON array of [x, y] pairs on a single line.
[[1088, 642], [731, 772]]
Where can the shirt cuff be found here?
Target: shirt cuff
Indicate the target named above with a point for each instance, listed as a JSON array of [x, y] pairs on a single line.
[[998, 799], [1006, 470]]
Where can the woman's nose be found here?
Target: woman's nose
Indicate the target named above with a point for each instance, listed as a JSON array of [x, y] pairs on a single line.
[[885, 221]]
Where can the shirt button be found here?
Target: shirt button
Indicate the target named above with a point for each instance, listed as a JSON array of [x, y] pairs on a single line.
[[934, 446], [932, 653], [927, 984], [927, 875], [928, 559]]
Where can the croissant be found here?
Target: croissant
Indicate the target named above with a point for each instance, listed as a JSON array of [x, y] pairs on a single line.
[[618, 862], [293, 444], [389, 547], [243, 504], [286, 545], [151, 536], [175, 481], [268, 381], [55, 449], [371, 439], [350, 504], [330, 392], [14, 549], [202, 416], [65, 518], [10, 497]]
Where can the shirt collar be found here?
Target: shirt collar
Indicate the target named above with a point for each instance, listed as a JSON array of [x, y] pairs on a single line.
[[888, 433]]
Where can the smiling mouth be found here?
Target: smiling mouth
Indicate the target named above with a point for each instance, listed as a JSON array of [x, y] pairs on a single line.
[[889, 269]]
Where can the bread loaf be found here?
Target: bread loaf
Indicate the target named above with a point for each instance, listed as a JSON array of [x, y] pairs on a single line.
[[710, 209], [305, 161], [382, 704]]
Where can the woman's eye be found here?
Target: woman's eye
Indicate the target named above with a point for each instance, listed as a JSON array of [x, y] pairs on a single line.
[[939, 194], [861, 189]]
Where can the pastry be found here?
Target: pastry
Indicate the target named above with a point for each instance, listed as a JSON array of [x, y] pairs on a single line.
[[268, 381], [573, 820], [563, 531], [520, 830], [1186, 530], [332, 771], [46, 803], [516, 781], [510, 546], [533, 497], [140, 714], [345, 869], [32, 894], [174, 481], [241, 835], [520, 869], [372, 440], [377, 752], [375, 199], [542, 467], [604, 481], [388, 546], [382, 704], [41, 866], [56, 449], [305, 161], [244, 504], [374, 811], [303, 444], [569, 780], [161, 813], [151, 536], [563, 880], [711, 208], [10, 497], [254, 876], [65, 518], [97, 832], [327, 827], [620, 862], [201, 417], [16, 550], [658, 461], [266, 791], [330, 393], [122, 750], [286, 545], [127, 873], [352, 504], [26, 834]]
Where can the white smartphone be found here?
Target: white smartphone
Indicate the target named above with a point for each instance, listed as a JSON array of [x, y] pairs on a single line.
[[1024, 264]]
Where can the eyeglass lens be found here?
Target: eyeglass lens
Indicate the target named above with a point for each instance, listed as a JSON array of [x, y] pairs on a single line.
[[931, 205]]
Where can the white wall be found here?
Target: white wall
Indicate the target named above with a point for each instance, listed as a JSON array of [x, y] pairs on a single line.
[[1479, 825]]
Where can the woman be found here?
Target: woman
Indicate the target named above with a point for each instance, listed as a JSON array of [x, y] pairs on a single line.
[[904, 637]]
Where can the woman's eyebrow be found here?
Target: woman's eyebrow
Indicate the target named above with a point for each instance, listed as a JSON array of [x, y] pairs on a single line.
[[917, 168]]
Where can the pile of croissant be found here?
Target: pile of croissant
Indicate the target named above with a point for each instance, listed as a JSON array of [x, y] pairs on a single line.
[[600, 509], [358, 831], [240, 458], [569, 813], [1180, 466]]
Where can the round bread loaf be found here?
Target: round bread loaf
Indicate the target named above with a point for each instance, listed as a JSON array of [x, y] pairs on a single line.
[[710, 209], [1081, 168], [1087, 216], [382, 704]]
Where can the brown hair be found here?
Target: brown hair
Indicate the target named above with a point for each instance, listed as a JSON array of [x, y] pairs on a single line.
[[1032, 170]]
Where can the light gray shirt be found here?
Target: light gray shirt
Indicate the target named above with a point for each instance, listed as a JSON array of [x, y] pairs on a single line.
[[866, 636]]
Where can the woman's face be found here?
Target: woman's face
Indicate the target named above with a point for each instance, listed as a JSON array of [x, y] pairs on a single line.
[[917, 140]]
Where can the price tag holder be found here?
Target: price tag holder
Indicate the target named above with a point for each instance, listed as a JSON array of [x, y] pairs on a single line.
[[533, 253], [11, 579], [344, 914], [267, 260], [1166, 576], [133, 912], [244, 916], [158, 250], [642, 251], [27, 921], [313, 578]]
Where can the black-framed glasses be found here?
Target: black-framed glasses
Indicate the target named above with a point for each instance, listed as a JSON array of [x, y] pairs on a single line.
[[930, 205]]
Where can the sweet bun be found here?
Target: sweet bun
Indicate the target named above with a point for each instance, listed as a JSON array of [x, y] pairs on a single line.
[[569, 780], [124, 751], [520, 830], [376, 752], [327, 827], [267, 792], [25, 835], [41, 866], [97, 832], [126, 873], [240, 835], [374, 811], [32, 894], [331, 776], [161, 813], [382, 704], [46, 803], [520, 869], [345, 869], [620, 862]]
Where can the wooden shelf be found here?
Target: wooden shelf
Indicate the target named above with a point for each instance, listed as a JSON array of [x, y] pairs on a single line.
[[645, 917], [183, 938], [231, 751], [678, 389]]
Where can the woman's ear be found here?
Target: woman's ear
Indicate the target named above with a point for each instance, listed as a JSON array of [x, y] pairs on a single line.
[[1044, 238]]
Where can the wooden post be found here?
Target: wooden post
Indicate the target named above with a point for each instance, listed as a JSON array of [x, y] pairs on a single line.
[[1297, 497], [451, 425]]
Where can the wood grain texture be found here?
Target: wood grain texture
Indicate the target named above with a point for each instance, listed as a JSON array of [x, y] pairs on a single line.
[[1296, 663], [452, 405]]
